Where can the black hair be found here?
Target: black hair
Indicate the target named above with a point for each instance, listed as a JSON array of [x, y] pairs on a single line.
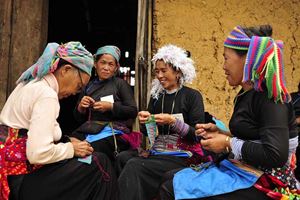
[[63, 62], [97, 57], [188, 53], [261, 30]]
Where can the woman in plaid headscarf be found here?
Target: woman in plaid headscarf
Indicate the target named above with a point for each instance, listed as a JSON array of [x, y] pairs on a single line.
[[108, 99], [35, 161], [262, 134]]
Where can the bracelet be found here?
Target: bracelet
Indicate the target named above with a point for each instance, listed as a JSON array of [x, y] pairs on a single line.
[[227, 148]]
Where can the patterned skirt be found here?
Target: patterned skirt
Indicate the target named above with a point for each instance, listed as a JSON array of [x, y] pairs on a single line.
[[13, 160], [280, 183]]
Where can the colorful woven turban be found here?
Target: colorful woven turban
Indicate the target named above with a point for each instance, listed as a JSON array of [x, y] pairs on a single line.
[[263, 63], [72, 52], [109, 49]]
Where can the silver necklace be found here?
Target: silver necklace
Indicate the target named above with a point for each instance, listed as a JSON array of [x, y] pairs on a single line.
[[172, 110]]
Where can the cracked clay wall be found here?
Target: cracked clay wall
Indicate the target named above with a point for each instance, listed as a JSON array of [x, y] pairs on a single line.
[[201, 26]]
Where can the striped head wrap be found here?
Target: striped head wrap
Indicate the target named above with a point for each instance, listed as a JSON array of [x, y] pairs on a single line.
[[263, 63], [109, 49], [72, 52]]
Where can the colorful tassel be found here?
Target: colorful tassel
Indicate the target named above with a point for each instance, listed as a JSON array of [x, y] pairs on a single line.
[[263, 65]]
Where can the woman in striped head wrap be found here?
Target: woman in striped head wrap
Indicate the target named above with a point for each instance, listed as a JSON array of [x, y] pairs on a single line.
[[262, 133], [35, 161]]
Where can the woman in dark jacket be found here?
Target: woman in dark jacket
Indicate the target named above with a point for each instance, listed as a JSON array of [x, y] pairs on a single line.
[[107, 99], [175, 109], [263, 132]]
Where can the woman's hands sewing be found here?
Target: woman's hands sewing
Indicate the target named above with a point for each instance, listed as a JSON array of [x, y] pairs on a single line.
[[212, 139], [81, 148], [85, 103], [88, 101], [162, 118], [102, 106], [143, 116]]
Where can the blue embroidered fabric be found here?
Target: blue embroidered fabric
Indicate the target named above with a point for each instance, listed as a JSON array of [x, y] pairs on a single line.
[[209, 180], [104, 133]]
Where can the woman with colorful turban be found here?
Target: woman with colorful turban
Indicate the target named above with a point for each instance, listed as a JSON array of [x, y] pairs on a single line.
[[36, 162], [263, 135], [174, 109], [108, 100], [296, 103]]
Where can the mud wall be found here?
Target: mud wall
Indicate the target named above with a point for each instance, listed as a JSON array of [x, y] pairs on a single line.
[[201, 26]]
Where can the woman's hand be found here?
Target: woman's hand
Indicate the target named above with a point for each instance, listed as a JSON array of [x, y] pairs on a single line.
[[81, 148], [298, 121], [143, 153], [102, 106], [164, 119], [216, 142], [143, 116], [73, 139], [85, 103], [203, 129]]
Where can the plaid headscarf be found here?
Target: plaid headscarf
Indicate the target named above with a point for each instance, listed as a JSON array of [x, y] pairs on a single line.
[[263, 64], [109, 49], [72, 52]]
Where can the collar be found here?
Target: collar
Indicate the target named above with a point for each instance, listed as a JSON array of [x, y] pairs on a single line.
[[97, 80], [173, 91], [51, 81]]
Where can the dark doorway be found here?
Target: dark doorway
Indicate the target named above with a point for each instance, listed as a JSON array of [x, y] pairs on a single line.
[[94, 23]]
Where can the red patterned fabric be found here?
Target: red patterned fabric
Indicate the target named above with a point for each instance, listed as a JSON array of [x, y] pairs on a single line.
[[199, 156], [134, 139], [279, 183], [13, 160]]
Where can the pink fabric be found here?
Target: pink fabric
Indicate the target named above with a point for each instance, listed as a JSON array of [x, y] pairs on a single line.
[[199, 155], [13, 160], [134, 139]]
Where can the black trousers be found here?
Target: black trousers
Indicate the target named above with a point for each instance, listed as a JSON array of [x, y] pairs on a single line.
[[68, 179], [107, 146], [141, 177], [123, 158]]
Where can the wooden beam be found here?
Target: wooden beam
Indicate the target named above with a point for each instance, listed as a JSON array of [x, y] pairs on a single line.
[[23, 36]]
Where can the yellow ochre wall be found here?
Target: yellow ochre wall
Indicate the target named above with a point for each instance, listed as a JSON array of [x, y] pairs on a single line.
[[201, 26]]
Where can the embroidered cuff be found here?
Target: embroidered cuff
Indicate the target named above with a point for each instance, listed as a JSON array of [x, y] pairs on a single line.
[[180, 128], [236, 147]]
